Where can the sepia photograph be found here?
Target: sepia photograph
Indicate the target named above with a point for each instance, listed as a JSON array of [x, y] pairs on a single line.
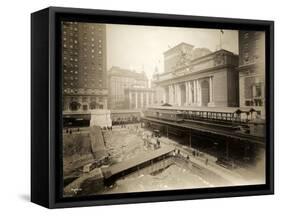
[[156, 108]]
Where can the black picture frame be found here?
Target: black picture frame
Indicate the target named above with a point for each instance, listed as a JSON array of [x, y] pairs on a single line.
[[46, 115]]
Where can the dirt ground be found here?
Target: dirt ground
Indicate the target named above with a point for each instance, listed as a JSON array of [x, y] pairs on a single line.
[[76, 152], [124, 143]]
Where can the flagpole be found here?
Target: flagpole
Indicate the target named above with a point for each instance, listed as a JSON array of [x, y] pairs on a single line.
[[221, 33], [220, 40]]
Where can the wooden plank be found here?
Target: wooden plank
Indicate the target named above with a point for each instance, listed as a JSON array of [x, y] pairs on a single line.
[[125, 165]]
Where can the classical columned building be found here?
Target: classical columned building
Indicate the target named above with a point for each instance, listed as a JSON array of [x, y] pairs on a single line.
[[210, 80], [196, 92], [120, 79], [139, 98]]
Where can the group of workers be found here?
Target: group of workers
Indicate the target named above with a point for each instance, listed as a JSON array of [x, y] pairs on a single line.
[[149, 140]]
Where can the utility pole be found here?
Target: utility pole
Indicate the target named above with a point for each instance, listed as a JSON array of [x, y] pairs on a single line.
[[190, 144], [227, 149]]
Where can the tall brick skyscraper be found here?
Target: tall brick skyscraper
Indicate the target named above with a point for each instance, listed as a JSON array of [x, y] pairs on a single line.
[[84, 66], [252, 68]]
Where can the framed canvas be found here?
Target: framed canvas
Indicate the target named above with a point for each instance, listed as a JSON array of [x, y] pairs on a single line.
[[139, 107]]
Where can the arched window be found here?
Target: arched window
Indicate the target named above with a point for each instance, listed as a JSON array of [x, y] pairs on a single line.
[[93, 105], [85, 107], [205, 93], [74, 105]]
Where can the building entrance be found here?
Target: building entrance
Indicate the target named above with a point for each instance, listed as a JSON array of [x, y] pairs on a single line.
[[205, 93]]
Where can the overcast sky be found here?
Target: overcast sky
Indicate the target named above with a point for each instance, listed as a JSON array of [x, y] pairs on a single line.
[[142, 47]]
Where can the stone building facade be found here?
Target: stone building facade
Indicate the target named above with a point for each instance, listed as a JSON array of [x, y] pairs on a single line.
[[119, 81], [252, 68], [139, 97], [210, 79]]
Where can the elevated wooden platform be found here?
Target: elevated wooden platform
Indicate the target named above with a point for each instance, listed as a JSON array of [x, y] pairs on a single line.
[[211, 129], [126, 167]]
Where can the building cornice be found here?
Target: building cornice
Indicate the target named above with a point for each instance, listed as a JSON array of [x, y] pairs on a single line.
[[192, 75]]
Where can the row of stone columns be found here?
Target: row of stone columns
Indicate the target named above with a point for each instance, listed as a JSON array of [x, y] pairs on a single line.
[[211, 89], [193, 93], [148, 101]]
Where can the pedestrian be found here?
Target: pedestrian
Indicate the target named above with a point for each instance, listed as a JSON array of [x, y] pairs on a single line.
[[158, 143], [206, 161]]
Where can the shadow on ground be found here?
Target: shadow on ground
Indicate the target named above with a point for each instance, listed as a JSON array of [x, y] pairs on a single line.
[[25, 197]]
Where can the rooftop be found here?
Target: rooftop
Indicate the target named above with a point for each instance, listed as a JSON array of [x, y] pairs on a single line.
[[182, 44], [122, 72]]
